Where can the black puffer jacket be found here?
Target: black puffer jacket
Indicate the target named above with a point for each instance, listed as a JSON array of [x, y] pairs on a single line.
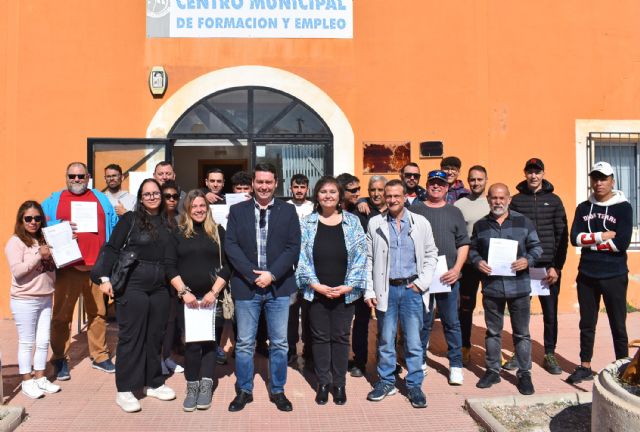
[[546, 211]]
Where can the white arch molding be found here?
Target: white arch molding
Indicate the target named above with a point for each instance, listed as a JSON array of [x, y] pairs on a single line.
[[263, 76]]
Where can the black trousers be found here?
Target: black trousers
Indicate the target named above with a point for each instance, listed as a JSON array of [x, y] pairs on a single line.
[[299, 309], [199, 360], [614, 293], [330, 322], [549, 305], [360, 336], [142, 317], [468, 294]]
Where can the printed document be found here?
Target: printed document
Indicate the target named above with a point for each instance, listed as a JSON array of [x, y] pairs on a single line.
[[199, 324], [502, 253], [441, 268], [538, 286], [235, 198], [85, 216], [64, 248]]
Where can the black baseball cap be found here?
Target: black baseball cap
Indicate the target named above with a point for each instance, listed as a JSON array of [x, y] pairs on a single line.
[[534, 163]]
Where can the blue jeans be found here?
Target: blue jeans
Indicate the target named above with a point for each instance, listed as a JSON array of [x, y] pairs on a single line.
[[247, 316], [404, 304], [448, 310]]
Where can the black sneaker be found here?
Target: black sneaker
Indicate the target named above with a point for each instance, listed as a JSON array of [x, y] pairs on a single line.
[[580, 374], [525, 386], [488, 379], [550, 364], [511, 364], [356, 371], [417, 398]]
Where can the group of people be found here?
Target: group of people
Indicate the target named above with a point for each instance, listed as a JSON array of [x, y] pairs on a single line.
[[325, 263]]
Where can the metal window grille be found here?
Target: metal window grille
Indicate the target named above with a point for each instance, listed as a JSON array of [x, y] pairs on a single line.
[[622, 151]]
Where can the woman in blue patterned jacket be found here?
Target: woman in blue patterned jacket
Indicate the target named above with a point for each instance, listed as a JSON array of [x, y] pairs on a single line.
[[332, 273]]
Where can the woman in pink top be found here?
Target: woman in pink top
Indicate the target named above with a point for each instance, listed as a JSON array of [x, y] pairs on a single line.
[[32, 277]]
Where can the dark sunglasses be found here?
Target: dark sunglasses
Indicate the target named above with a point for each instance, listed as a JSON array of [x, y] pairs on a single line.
[[353, 190], [263, 218], [73, 176], [169, 196], [412, 175], [28, 219]]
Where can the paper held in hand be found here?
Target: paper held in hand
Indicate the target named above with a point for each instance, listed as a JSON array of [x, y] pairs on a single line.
[[235, 198], [85, 216], [502, 253], [199, 323], [220, 214], [441, 268], [538, 286], [64, 248]]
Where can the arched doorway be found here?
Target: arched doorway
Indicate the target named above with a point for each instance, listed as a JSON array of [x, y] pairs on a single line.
[[235, 128]]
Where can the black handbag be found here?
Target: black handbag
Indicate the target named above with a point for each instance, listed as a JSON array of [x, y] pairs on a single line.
[[121, 268]]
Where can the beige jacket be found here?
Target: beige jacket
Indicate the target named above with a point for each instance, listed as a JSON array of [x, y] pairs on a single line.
[[378, 257]]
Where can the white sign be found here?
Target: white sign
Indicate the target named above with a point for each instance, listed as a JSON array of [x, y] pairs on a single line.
[[135, 180], [85, 216], [199, 323], [220, 214], [332, 19]]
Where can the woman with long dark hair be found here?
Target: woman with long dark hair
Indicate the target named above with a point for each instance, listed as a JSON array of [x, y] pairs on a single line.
[[142, 308], [332, 273], [198, 270], [32, 285]]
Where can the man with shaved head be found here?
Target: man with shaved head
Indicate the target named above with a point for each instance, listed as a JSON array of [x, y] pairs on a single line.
[[512, 291]]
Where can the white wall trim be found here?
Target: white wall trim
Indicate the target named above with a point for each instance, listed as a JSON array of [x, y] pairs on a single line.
[[239, 76]]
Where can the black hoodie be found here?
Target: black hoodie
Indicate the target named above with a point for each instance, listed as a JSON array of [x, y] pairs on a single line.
[[603, 259], [546, 211]]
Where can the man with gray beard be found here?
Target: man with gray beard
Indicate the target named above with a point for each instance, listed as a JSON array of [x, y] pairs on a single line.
[[512, 291], [74, 279]]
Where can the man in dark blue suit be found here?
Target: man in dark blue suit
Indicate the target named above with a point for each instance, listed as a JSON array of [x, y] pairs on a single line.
[[263, 246]]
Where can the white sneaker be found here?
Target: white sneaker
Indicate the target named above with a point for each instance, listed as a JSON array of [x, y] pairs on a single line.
[[47, 386], [163, 392], [128, 402], [178, 369], [425, 369], [455, 376], [31, 389]]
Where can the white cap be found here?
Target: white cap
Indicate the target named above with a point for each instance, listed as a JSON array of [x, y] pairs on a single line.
[[601, 167]]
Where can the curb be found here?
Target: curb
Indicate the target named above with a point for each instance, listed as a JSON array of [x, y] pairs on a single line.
[[13, 416], [477, 410]]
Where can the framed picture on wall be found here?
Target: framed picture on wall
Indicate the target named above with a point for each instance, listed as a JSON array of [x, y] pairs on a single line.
[[383, 157]]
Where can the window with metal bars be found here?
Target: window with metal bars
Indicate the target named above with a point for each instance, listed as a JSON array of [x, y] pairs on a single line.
[[622, 151]]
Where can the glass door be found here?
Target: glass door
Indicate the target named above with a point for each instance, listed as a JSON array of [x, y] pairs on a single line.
[[136, 157]]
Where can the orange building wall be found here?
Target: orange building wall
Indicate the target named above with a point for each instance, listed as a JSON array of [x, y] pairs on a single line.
[[496, 81]]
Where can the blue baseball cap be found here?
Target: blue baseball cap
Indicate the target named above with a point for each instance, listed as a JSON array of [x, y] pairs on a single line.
[[437, 174]]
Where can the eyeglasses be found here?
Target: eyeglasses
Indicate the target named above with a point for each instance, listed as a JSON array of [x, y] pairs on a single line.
[[149, 195], [74, 176], [113, 176], [169, 196], [412, 175], [263, 218], [353, 190], [28, 219]]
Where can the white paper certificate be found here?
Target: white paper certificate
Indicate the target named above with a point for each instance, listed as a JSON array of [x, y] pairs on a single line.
[[441, 268], [502, 253], [64, 248], [85, 216], [538, 286], [199, 324], [220, 213], [235, 198]]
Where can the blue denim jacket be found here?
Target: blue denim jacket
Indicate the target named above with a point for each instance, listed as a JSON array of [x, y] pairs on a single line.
[[356, 256]]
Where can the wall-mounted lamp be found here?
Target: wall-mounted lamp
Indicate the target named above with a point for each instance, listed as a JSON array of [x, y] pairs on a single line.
[[157, 81]]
